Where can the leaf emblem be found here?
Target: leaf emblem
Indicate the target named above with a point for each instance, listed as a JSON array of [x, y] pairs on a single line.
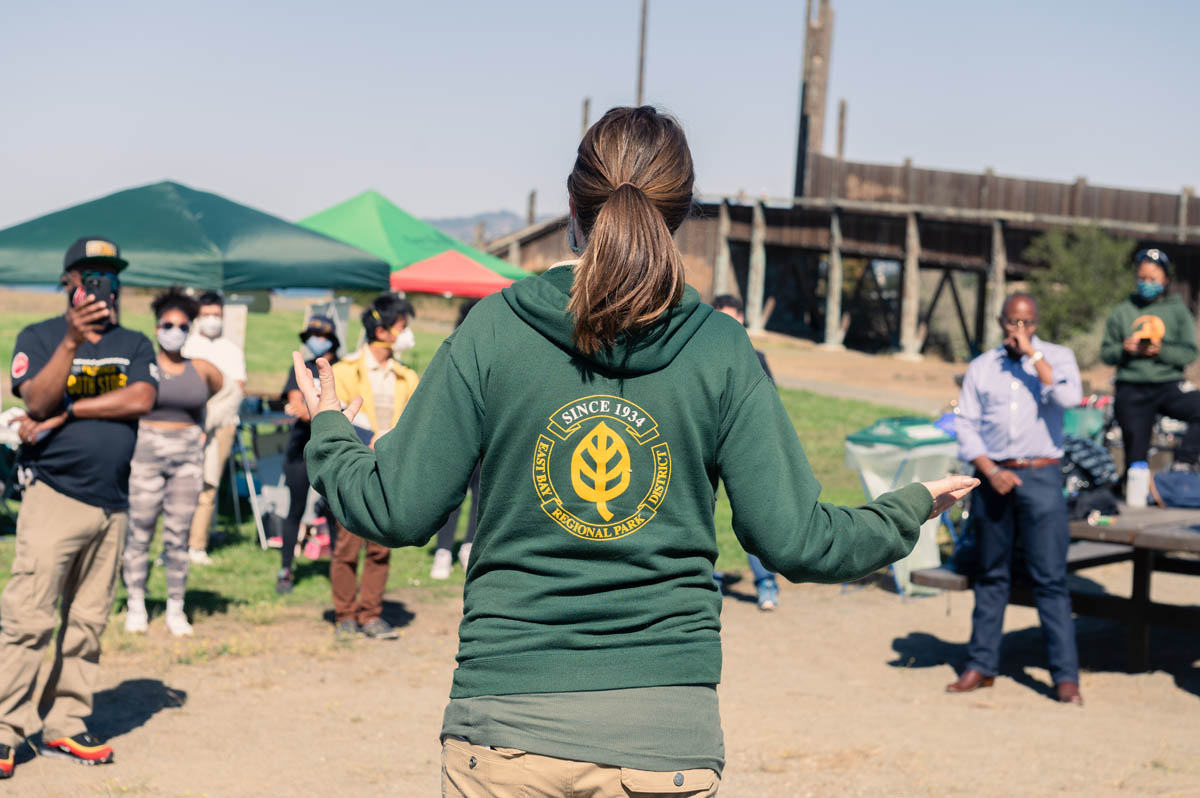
[[600, 468]]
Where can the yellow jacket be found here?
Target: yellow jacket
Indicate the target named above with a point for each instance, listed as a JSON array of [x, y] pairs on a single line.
[[352, 380]]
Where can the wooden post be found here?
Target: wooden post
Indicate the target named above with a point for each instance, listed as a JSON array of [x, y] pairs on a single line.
[[514, 252], [834, 334], [587, 108], [841, 141], [997, 286], [910, 291], [909, 184], [756, 282], [1185, 197], [1077, 194], [641, 55], [722, 265], [985, 188], [531, 212], [480, 238]]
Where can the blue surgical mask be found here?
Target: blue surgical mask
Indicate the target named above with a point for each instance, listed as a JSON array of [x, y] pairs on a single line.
[[318, 345], [1149, 290]]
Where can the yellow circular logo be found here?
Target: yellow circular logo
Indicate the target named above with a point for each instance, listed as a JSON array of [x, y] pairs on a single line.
[[597, 469]]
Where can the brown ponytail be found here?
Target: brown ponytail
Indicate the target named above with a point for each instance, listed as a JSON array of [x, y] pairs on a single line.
[[631, 189]]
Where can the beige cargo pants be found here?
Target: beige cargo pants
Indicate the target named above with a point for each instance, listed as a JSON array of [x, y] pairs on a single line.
[[476, 771], [70, 551]]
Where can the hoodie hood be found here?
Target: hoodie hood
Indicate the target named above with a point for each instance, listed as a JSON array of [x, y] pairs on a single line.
[[541, 302]]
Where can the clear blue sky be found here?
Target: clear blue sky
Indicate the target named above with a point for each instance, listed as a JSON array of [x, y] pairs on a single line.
[[451, 108]]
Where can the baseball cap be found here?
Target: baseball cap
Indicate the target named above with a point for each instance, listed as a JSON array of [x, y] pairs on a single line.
[[94, 250], [320, 325], [1155, 256]]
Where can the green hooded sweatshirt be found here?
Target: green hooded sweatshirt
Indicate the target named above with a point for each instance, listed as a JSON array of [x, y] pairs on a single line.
[[1178, 342], [592, 565]]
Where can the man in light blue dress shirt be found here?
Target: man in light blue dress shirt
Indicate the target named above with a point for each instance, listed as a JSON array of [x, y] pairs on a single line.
[[1010, 427]]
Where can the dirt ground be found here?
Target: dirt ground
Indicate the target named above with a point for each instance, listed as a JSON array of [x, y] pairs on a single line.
[[837, 692]]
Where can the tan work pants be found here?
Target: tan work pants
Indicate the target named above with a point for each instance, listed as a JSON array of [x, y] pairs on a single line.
[[476, 771], [65, 550], [216, 452]]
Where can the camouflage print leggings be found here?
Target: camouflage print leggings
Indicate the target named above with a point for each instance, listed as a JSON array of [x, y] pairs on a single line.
[[166, 476]]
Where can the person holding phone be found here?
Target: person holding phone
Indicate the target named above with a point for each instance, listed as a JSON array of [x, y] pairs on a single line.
[[1151, 338], [85, 381]]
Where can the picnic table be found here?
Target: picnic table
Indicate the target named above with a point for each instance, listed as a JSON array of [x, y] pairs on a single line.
[[1155, 537], [1152, 538]]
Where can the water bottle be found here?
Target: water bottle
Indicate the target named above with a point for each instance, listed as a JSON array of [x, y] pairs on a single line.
[[1137, 484]]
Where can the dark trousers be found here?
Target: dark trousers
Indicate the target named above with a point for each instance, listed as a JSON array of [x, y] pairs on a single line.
[[1032, 516], [349, 604], [445, 535], [1137, 405], [295, 475]]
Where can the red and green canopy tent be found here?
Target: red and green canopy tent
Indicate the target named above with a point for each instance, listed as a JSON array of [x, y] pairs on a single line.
[[423, 259]]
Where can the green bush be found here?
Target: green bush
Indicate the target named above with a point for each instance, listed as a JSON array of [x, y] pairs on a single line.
[[1089, 272]]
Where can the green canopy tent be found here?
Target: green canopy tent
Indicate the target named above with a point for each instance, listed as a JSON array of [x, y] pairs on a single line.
[[175, 235], [422, 258]]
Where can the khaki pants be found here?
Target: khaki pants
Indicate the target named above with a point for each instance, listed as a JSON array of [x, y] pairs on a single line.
[[476, 771], [216, 452], [65, 550]]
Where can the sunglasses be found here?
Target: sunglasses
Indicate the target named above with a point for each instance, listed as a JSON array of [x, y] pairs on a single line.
[[168, 325]]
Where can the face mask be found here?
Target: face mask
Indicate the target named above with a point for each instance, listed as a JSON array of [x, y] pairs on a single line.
[[1149, 290], [572, 240], [404, 341], [171, 340], [318, 345], [209, 326]]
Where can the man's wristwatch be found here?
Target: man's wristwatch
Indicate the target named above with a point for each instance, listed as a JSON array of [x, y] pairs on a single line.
[[70, 411], [1037, 357]]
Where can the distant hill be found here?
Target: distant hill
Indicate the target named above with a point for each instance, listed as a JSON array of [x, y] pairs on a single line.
[[495, 224]]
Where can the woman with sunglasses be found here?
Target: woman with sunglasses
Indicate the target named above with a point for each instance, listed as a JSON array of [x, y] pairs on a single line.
[[167, 472]]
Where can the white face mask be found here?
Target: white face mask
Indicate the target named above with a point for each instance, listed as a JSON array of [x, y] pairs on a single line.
[[404, 341], [210, 326], [171, 340]]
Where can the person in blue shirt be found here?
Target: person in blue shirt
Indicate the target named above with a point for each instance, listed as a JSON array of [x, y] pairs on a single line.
[[1010, 427]]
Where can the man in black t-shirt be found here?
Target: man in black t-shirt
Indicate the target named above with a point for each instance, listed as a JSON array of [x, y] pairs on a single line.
[[85, 380]]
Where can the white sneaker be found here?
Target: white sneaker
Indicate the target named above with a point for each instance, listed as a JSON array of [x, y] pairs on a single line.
[[137, 621], [443, 561], [177, 622], [199, 557], [464, 555]]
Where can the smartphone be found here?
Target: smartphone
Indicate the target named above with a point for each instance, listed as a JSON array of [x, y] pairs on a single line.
[[98, 285]]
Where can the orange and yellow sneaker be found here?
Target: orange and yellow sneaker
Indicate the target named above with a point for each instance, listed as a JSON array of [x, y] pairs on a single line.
[[82, 748], [6, 761]]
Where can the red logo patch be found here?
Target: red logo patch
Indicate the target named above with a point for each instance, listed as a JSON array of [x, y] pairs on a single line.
[[20, 365]]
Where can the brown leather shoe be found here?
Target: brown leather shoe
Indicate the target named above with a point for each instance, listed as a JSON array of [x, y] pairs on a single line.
[[970, 680], [1068, 693]]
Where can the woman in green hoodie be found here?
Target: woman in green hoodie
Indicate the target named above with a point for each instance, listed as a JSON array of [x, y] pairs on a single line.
[[603, 401], [1151, 338]]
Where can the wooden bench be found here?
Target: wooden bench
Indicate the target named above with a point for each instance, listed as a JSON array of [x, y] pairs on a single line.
[[1080, 554]]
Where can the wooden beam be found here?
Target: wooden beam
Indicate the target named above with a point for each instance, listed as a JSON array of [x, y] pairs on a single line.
[[982, 216], [587, 108], [910, 293], [756, 282], [834, 332], [531, 212], [1077, 191], [641, 76], [480, 234], [722, 264], [841, 139], [997, 286], [1185, 197], [514, 252]]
